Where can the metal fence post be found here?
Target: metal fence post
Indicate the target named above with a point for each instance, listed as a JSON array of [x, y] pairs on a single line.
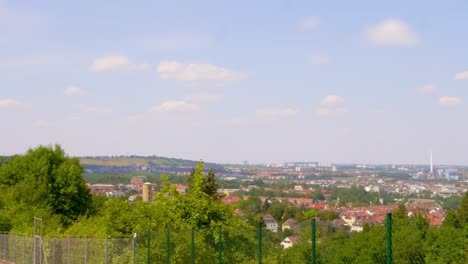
[[24, 250], [14, 248], [312, 238], [148, 255], [193, 246], [53, 250], [105, 249], [41, 244], [168, 246], [5, 254], [68, 249], [134, 248], [34, 242], [389, 238], [259, 243], [86, 250], [220, 245]]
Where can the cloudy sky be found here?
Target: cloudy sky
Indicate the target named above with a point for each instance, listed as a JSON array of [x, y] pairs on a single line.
[[228, 81]]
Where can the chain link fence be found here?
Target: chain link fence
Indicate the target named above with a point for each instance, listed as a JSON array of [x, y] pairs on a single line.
[[222, 244], [65, 250]]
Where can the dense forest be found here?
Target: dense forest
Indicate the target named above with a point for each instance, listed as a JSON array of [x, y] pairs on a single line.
[[47, 183]]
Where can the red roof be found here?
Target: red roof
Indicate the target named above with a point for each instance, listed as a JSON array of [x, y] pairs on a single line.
[[231, 199]]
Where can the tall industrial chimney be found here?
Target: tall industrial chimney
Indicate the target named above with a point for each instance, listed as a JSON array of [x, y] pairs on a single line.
[[432, 165]]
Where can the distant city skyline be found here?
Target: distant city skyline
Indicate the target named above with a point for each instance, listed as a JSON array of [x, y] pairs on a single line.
[[266, 81]]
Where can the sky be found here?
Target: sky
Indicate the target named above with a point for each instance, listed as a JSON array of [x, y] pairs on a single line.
[[233, 81]]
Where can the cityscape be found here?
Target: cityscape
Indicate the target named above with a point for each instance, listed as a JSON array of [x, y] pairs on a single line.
[[237, 132]]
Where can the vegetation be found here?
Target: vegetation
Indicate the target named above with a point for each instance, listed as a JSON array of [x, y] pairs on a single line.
[[46, 183]]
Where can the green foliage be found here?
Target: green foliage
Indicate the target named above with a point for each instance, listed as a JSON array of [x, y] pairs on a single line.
[[452, 202], [463, 210], [43, 182], [210, 187], [46, 183], [198, 182], [356, 195]]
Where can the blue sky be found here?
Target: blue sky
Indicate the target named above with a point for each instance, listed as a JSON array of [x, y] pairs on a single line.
[[228, 81]]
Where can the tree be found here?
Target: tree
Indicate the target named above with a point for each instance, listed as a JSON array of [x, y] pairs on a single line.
[[452, 219], [45, 180], [210, 186], [463, 210]]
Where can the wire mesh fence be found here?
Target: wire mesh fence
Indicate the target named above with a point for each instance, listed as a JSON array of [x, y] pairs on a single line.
[[221, 244]]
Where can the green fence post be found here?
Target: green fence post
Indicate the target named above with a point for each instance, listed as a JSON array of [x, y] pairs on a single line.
[[148, 255], [193, 246], [134, 248], [220, 245], [312, 238], [168, 246], [259, 243], [389, 238]]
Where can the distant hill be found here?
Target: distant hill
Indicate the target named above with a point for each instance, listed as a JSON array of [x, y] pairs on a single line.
[[127, 161]]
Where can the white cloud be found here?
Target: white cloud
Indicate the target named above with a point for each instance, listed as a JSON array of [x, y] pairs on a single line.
[[172, 70], [206, 97], [311, 23], [75, 91], [428, 88], [320, 60], [8, 102], [327, 111], [41, 123], [333, 100], [392, 32], [117, 63], [275, 113], [178, 106], [95, 110], [448, 100], [461, 76], [331, 106]]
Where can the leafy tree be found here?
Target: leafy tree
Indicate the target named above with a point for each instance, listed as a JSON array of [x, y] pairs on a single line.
[[45, 180], [318, 196], [210, 186], [452, 219], [463, 210], [327, 215]]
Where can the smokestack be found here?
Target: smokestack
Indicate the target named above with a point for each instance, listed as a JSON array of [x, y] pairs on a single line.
[[147, 192], [431, 164]]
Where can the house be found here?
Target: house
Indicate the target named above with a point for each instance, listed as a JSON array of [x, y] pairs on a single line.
[[358, 225], [270, 223], [292, 225], [231, 199], [138, 181], [290, 241], [181, 188]]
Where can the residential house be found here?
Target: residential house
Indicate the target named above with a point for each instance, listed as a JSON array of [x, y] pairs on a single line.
[[289, 241], [270, 223], [292, 225]]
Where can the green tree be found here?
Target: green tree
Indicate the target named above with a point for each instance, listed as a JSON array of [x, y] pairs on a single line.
[[208, 184], [452, 219], [44, 181], [210, 187], [463, 210]]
